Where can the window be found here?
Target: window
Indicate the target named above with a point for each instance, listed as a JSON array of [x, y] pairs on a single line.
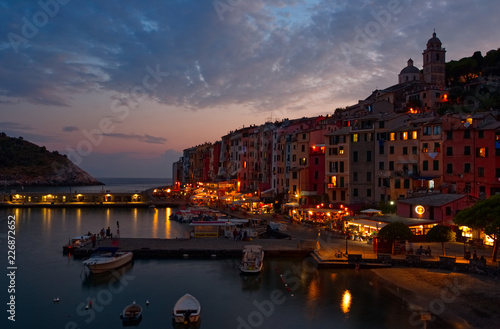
[[436, 130], [466, 167], [392, 136], [426, 130], [342, 195], [355, 138], [449, 150], [391, 165], [425, 165], [406, 183], [355, 176], [497, 172], [341, 166], [449, 168], [480, 134], [448, 211], [316, 175], [381, 148], [333, 181], [391, 150], [303, 148], [368, 176], [381, 165], [294, 175], [316, 161], [435, 165], [437, 147], [425, 147], [369, 137], [414, 150], [405, 150], [397, 183], [355, 156], [381, 124], [368, 192], [368, 156], [449, 134], [467, 134], [341, 181], [480, 172], [466, 150], [414, 134], [341, 150], [355, 192], [404, 135], [482, 152]]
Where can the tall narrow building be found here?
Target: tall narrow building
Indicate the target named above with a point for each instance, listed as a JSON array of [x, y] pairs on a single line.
[[434, 62]]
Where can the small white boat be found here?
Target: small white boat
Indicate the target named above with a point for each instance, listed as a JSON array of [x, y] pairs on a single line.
[[278, 226], [187, 310], [106, 259], [253, 259], [77, 242], [131, 313]]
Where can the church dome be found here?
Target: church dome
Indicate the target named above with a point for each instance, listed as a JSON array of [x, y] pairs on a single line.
[[410, 68], [434, 42]]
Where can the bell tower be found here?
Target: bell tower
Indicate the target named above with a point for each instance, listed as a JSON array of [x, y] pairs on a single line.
[[434, 62]]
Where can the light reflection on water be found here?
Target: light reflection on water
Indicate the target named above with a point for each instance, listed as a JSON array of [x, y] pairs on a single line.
[[224, 293]]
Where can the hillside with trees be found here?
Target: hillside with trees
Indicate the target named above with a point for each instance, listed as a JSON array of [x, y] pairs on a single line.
[[474, 83], [24, 163]]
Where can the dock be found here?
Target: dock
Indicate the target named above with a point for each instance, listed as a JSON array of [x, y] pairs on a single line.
[[149, 248]]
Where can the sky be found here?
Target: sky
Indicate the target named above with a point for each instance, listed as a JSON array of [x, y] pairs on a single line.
[[123, 87]]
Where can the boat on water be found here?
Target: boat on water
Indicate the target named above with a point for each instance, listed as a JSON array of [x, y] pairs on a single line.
[[77, 242], [252, 259], [132, 314], [187, 310], [106, 259]]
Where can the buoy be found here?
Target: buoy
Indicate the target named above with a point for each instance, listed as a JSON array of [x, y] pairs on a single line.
[[87, 307], [56, 300], [90, 303], [147, 302]]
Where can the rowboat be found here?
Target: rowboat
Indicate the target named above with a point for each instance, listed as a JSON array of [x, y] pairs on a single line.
[[106, 259], [187, 310], [131, 314]]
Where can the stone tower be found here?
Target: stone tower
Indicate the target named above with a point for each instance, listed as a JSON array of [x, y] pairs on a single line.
[[434, 62]]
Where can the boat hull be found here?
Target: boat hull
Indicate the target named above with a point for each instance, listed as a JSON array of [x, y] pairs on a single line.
[[132, 314], [187, 310], [107, 264]]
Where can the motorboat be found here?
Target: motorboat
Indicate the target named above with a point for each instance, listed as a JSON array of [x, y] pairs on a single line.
[[106, 259], [187, 310], [131, 314], [77, 242], [252, 260]]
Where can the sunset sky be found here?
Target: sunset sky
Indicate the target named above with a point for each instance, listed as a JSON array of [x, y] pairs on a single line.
[[123, 87]]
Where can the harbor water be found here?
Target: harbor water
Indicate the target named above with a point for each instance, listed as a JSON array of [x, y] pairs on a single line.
[[290, 293]]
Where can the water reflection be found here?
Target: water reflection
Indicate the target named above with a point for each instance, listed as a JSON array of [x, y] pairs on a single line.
[[104, 279], [251, 282], [345, 305]]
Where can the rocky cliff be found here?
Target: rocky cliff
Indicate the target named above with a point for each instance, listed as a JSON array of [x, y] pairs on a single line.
[[24, 163]]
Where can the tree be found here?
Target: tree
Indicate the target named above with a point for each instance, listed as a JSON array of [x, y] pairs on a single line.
[[395, 231], [441, 233], [485, 215]]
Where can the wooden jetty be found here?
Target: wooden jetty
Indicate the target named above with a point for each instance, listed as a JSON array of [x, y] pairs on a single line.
[[144, 248]]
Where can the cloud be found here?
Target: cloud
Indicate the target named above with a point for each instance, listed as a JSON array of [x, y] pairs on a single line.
[[140, 138], [70, 128], [263, 54]]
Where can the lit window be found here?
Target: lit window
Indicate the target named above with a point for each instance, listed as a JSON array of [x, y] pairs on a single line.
[[333, 180], [392, 136], [414, 134], [244, 164], [341, 150], [405, 135], [355, 137], [481, 152]]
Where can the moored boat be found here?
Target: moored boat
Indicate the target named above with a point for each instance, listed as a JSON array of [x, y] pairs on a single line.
[[252, 259], [131, 314], [77, 242], [106, 259], [187, 310]]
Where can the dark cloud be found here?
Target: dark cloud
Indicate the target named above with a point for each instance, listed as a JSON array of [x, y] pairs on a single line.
[[70, 128], [141, 138], [263, 54]]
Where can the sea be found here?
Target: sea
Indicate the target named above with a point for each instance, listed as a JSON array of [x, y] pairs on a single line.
[[289, 293]]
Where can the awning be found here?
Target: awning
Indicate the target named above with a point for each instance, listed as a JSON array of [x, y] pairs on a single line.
[[292, 204], [370, 211], [366, 223], [267, 191]]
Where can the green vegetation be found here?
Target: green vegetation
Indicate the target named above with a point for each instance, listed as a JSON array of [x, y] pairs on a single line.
[[485, 215], [22, 162], [441, 233], [394, 232]]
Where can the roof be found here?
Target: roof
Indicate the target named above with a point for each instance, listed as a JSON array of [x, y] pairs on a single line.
[[433, 200]]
